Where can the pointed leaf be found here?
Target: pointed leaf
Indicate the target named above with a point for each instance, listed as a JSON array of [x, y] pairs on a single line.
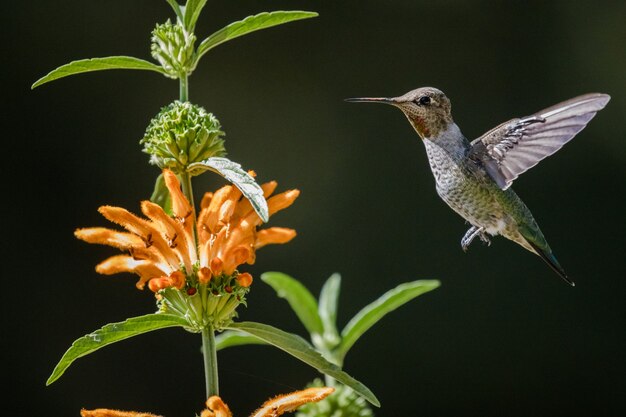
[[233, 172], [112, 333], [250, 24], [177, 9], [329, 300], [192, 12], [231, 338], [375, 311], [98, 64], [161, 195], [301, 349], [299, 298]]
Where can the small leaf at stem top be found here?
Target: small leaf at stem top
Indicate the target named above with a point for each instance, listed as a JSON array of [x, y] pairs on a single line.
[[329, 300], [192, 12], [177, 9], [250, 24], [233, 172], [299, 298], [376, 310], [98, 64], [301, 349], [112, 333]]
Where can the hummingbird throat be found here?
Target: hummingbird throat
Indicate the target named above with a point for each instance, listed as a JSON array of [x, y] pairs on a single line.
[[420, 126]]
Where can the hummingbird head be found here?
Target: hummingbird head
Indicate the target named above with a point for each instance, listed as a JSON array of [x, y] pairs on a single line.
[[427, 109]]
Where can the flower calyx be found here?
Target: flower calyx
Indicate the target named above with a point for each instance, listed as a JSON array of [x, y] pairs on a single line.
[[181, 134], [210, 304]]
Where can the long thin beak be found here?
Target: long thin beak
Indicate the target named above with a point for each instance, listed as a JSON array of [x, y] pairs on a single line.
[[384, 100]]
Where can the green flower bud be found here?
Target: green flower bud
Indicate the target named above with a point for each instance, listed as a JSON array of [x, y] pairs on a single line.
[[181, 134], [344, 402], [173, 47]]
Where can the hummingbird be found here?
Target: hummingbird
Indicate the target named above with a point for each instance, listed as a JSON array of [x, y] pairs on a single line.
[[474, 178]]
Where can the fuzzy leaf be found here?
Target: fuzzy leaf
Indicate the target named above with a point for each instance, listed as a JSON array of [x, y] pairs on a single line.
[[250, 24], [192, 12], [301, 349], [112, 333], [233, 172], [375, 311], [98, 64], [299, 298], [231, 338], [329, 300], [161, 195]]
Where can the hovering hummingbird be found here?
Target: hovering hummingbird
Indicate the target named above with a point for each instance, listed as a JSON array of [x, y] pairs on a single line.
[[474, 178]]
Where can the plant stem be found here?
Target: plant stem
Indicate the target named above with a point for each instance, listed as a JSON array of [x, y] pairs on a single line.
[[183, 88], [210, 361]]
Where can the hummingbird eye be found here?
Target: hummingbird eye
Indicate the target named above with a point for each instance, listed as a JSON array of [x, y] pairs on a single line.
[[423, 101]]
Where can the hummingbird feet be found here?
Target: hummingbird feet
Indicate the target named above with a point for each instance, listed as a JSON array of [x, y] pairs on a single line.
[[471, 234]]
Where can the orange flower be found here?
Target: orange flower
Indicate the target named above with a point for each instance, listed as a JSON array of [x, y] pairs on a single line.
[[162, 249], [217, 408]]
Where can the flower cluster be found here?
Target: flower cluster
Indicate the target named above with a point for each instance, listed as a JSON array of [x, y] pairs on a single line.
[[198, 281], [173, 46]]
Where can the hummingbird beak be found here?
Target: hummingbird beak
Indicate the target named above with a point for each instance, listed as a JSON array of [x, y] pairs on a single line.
[[384, 100]]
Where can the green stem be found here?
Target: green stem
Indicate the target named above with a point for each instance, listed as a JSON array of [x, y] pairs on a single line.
[[210, 361], [183, 88]]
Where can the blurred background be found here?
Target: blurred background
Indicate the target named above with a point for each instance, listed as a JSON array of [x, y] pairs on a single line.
[[502, 336]]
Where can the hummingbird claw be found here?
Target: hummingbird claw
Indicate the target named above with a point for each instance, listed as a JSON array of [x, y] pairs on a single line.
[[471, 234]]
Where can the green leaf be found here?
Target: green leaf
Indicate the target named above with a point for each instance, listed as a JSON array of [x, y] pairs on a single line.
[[375, 311], [177, 9], [299, 298], [233, 172], [231, 338], [98, 64], [329, 300], [161, 195], [192, 12], [112, 333], [301, 349], [250, 24]]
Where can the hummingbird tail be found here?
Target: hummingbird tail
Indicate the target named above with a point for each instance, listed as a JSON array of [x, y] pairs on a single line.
[[550, 259]]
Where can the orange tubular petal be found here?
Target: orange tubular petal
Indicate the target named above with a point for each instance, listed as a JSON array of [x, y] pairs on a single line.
[[105, 412], [273, 235], [180, 205], [245, 279], [204, 275], [290, 402], [206, 200], [282, 201], [127, 220], [211, 218], [216, 408], [102, 236], [123, 263], [235, 257], [179, 237], [216, 266]]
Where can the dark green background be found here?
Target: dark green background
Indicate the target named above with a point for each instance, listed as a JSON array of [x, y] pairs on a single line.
[[503, 336]]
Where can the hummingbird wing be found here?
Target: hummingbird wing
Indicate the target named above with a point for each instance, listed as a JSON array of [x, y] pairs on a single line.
[[515, 146]]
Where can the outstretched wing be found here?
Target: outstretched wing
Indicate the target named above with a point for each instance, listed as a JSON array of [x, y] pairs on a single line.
[[515, 146]]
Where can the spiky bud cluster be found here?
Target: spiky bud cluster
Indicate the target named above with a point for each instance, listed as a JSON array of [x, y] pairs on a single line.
[[343, 403], [173, 46], [211, 304], [181, 134]]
